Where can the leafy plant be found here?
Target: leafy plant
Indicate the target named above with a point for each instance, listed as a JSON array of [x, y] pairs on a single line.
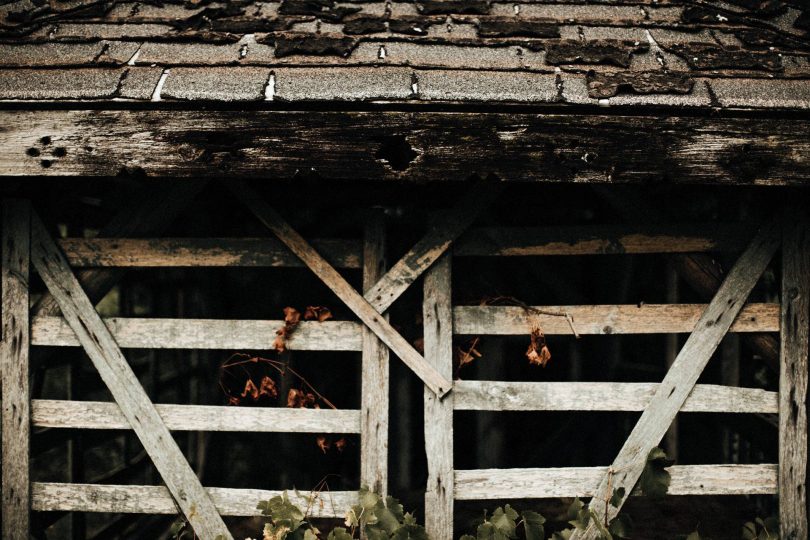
[[761, 529], [503, 524]]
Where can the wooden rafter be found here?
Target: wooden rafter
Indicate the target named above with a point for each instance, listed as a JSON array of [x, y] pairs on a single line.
[[192, 499], [680, 380]]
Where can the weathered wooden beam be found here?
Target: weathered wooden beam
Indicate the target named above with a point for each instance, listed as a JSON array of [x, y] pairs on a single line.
[[199, 252], [160, 333], [151, 214], [680, 380], [438, 337], [14, 354], [118, 499], [421, 147], [604, 319], [107, 415], [116, 373], [443, 231], [483, 484], [604, 396], [793, 373], [375, 368], [602, 239], [342, 289]]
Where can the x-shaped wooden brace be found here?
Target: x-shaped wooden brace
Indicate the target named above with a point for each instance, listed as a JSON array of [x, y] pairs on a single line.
[[106, 355], [681, 378], [378, 299]]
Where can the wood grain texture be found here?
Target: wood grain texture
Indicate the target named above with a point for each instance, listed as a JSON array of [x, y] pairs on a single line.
[[342, 289], [197, 252], [485, 484], [151, 214], [446, 146], [120, 499], [602, 239], [793, 373], [605, 319], [438, 337], [107, 415], [680, 380], [100, 346], [375, 380], [447, 226], [148, 333], [14, 357]]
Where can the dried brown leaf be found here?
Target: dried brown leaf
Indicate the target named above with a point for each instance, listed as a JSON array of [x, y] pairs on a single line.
[[319, 313], [538, 353]]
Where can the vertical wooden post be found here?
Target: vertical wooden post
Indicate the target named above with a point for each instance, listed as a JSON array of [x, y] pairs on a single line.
[[16, 239], [437, 314], [670, 354], [793, 374], [375, 380]]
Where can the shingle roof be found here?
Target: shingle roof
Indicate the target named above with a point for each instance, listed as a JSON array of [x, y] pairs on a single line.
[[678, 53]]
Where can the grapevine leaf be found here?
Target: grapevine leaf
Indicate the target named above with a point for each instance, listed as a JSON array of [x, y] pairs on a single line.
[[408, 519], [565, 534], [616, 498], [533, 525], [486, 531], [749, 531], [578, 514], [575, 507], [395, 507], [386, 519], [410, 532], [621, 527], [339, 533], [504, 521], [655, 478], [309, 535]]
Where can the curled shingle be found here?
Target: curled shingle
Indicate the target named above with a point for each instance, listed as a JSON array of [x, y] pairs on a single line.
[[413, 26], [605, 85], [364, 25], [605, 51], [518, 28], [324, 9], [451, 7], [312, 44], [709, 56]]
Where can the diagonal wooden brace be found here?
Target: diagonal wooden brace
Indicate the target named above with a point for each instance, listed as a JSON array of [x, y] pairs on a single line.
[[101, 347], [364, 310], [682, 376]]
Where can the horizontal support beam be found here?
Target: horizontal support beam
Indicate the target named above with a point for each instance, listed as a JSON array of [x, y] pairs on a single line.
[[350, 145], [604, 396], [197, 252], [486, 484], [148, 333], [118, 499], [107, 415], [603, 239], [604, 319]]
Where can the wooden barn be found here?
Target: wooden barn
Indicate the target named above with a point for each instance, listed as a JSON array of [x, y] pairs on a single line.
[[294, 256]]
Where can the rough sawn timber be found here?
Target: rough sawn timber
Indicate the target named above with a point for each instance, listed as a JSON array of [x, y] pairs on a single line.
[[192, 499], [793, 374], [428, 146], [680, 380], [14, 356]]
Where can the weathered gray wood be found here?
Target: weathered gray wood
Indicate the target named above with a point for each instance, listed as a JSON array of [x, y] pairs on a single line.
[[793, 373], [446, 228], [148, 333], [120, 499], [116, 373], [602, 239], [107, 415], [438, 337], [150, 215], [193, 252], [682, 376], [14, 353], [338, 285], [604, 319], [604, 396], [339, 145], [485, 484], [375, 380]]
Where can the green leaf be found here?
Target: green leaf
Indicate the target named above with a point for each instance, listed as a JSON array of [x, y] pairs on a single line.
[[505, 521], [617, 497], [410, 532], [654, 481], [604, 534], [621, 526], [339, 533], [564, 534], [385, 518], [749, 531], [578, 514], [533, 525], [575, 507], [693, 536], [395, 507], [486, 531], [177, 528]]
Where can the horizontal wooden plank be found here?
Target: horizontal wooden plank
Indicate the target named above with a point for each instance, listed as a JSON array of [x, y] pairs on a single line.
[[604, 319], [190, 252], [482, 484], [603, 239], [118, 499], [451, 145], [146, 333], [603, 396], [107, 415]]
